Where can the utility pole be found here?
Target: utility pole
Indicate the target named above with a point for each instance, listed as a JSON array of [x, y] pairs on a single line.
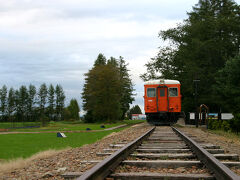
[[196, 101]]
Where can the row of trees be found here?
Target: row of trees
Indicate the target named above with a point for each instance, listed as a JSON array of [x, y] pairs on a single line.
[[107, 91], [205, 47], [30, 104]]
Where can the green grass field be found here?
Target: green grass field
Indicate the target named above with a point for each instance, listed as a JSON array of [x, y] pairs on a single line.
[[65, 126], [24, 145]]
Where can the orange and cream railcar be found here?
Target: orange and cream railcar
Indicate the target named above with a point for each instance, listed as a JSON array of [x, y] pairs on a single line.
[[162, 101]]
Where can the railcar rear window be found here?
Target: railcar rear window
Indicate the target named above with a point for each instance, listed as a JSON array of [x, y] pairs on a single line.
[[162, 92], [151, 92], [173, 92]]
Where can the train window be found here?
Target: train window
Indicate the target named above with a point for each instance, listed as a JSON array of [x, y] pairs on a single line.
[[162, 92], [173, 92], [151, 92]]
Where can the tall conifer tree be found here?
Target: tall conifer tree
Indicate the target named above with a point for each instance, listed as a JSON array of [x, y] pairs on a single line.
[[31, 102], [51, 101], [3, 102], [60, 98], [11, 104]]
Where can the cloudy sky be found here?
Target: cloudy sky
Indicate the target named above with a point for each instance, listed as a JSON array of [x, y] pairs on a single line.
[[57, 41]]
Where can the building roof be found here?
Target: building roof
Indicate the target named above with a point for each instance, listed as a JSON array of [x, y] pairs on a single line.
[[162, 81]]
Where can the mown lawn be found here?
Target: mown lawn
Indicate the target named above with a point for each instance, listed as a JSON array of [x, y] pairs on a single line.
[[24, 145], [65, 126]]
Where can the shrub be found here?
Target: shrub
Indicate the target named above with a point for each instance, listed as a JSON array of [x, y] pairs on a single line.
[[235, 123], [225, 126], [210, 123]]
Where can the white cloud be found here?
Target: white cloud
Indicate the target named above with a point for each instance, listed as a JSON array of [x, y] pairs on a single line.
[[57, 41]]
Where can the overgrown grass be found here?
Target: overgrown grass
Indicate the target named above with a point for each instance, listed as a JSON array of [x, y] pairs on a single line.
[[24, 145], [230, 135]]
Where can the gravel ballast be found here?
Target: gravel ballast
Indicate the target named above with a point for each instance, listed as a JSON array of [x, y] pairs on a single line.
[[71, 160]]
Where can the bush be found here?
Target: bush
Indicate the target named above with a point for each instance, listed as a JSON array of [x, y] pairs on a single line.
[[210, 123], [44, 119], [225, 126], [235, 123], [216, 125]]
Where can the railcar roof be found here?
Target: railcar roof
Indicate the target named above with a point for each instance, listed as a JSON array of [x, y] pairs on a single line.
[[162, 81]]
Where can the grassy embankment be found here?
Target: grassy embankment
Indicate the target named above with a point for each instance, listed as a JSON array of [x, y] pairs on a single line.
[[24, 145]]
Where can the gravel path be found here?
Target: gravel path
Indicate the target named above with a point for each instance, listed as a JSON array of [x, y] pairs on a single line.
[[70, 160]]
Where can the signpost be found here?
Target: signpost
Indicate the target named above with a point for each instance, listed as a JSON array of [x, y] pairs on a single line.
[[196, 101]]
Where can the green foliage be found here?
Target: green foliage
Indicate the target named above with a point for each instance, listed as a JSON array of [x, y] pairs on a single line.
[[107, 90], [134, 110], [26, 104], [101, 60], [51, 101], [225, 126], [198, 48], [126, 91], [228, 85], [22, 102], [101, 93], [31, 102], [235, 123], [44, 119], [11, 102], [3, 102], [42, 97], [60, 98], [73, 110]]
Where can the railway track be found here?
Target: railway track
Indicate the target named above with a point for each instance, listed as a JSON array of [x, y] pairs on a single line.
[[162, 153]]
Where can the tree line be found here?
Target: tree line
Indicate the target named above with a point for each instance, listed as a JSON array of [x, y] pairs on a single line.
[[107, 95], [30, 104], [204, 47], [108, 90]]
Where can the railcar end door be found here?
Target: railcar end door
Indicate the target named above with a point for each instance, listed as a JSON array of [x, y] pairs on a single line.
[[162, 99]]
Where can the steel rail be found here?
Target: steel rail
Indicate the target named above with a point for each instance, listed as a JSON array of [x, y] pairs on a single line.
[[220, 171], [107, 166]]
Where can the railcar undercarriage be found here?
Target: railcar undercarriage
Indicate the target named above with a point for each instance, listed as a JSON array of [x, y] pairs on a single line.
[[162, 118]]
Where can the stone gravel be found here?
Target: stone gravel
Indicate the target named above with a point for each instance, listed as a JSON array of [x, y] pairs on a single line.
[[179, 170], [70, 160], [229, 145]]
